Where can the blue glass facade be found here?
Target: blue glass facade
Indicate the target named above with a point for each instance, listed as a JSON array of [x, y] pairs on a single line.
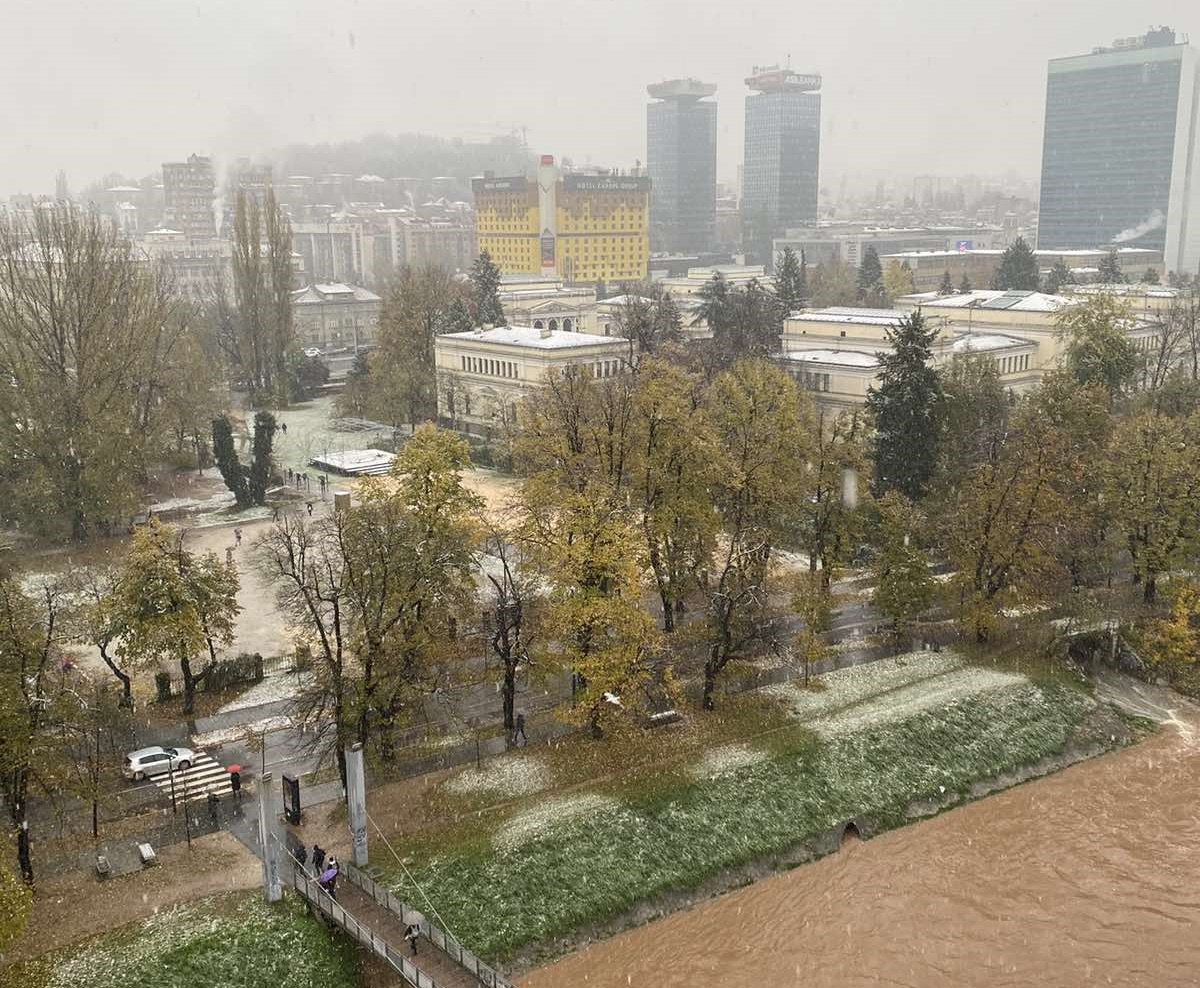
[[1109, 148]]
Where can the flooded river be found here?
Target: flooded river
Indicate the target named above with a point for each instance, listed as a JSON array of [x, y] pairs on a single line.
[[1089, 877]]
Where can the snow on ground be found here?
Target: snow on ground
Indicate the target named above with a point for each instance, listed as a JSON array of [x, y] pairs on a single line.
[[532, 823], [270, 690], [237, 732], [509, 776], [890, 690], [725, 760]]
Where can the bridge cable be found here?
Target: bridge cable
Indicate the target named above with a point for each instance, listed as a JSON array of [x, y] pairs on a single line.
[[412, 881]]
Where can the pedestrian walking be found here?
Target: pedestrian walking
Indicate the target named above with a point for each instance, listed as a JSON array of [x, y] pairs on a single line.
[[301, 856], [411, 935], [310, 507], [275, 514], [519, 733], [318, 858], [289, 474], [283, 426], [237, 537]]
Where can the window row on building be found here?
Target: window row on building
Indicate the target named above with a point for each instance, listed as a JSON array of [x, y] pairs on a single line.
[[494, 368]]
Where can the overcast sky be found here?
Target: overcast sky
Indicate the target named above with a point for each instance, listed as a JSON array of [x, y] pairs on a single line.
[[941, 86]]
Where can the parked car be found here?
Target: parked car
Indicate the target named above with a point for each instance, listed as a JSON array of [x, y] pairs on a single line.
[[312, 351], [156, 760]]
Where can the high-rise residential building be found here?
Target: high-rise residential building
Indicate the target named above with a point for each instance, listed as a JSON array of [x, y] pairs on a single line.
[[190, 197], [782, 156], [1121, 151], [581, 226], [681, 157]]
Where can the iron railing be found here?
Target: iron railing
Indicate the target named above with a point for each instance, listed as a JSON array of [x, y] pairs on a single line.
[[384, 897]]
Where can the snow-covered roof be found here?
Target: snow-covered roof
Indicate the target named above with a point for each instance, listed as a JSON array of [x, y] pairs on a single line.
[[993, 300], [851, 316], [332, 292], [985, 342], [625, 299], [536, 339], [842, 358]]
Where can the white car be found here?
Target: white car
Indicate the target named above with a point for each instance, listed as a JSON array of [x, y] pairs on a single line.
[[312, 351], [156, 760]]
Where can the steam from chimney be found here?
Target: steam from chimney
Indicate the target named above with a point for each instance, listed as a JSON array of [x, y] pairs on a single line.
[[1151, 222]]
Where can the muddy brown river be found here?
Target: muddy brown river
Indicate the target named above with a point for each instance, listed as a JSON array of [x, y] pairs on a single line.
[[1089, 877]]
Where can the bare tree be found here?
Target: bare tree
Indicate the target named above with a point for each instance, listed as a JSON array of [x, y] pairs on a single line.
[[510, 603]]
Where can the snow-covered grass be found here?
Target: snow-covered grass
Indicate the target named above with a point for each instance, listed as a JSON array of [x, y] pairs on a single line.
[[510, 776], [572, 860], [272, 689], [540, 820], [860, 697], [235, 940], [726, 759]]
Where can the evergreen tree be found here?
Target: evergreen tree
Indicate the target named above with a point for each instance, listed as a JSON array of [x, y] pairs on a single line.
[[1058, 276], [1018, 269], [907, 408], [870, 275], [1110, 269], [947, 286], [964, 286], [803, 275], [789, 287], [485, 291], [1150, 277], [248, 484], [259, 475], [458, 316]]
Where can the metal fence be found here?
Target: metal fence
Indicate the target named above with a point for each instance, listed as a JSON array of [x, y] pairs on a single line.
[[329, 907], [430, 930]]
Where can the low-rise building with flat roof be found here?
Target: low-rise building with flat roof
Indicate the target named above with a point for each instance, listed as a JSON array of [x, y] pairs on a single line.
[[483, 374]]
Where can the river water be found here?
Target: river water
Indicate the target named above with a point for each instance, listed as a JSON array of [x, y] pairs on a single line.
[[1088, 877]]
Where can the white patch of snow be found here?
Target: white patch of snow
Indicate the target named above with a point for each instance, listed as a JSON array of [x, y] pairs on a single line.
[[270, 690], [237, 732], [511, 776], [725, 760], [534, 822], [889, 690]]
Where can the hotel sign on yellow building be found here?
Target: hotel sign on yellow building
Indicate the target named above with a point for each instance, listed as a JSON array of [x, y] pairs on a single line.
[[582, 228]]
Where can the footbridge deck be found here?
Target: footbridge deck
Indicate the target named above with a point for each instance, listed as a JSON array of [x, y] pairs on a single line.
[[374, 917]]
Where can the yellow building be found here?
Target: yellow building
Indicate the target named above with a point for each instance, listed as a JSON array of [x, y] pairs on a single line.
[[580, 227]]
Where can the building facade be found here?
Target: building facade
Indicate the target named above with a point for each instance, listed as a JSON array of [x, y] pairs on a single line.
[[782, 155], [581, 227], [484, 374], [681, 157], [190, 197], [1121, 150], [336, 317]]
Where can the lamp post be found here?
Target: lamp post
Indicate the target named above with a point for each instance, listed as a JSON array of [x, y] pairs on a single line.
[[171, 776]]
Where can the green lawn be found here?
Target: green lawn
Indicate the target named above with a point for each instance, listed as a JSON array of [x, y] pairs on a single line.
[[234, 940], [595, 854]]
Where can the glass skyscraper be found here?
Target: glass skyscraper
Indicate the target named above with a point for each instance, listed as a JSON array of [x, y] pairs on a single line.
[[1120, 161], [783, 152], [681, 158]]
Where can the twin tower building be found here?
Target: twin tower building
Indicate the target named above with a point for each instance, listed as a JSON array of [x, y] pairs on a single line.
[[780, 169]]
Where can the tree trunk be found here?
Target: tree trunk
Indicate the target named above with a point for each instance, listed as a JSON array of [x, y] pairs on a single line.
[[710, 682], [125, 679], [1150, 590], [668, 607], [189, 685], [510, 691]]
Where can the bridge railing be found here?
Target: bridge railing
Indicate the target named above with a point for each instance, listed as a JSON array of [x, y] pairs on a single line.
[[384, 897], [312, 891]]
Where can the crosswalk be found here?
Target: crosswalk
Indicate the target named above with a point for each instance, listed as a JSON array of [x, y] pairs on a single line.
[[204, 776]]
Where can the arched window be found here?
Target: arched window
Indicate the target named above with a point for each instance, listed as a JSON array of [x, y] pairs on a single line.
[[553, 325], [537, 324], [566, 325]]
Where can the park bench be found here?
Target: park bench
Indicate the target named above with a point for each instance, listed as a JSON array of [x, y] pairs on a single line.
[[103, 868], [147, 854]]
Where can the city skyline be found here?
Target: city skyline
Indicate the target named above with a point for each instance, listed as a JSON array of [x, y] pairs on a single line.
[[888, 79]]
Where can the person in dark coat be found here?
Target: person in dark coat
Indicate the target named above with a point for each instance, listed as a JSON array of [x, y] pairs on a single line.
[[318, 859], [411, 935]]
